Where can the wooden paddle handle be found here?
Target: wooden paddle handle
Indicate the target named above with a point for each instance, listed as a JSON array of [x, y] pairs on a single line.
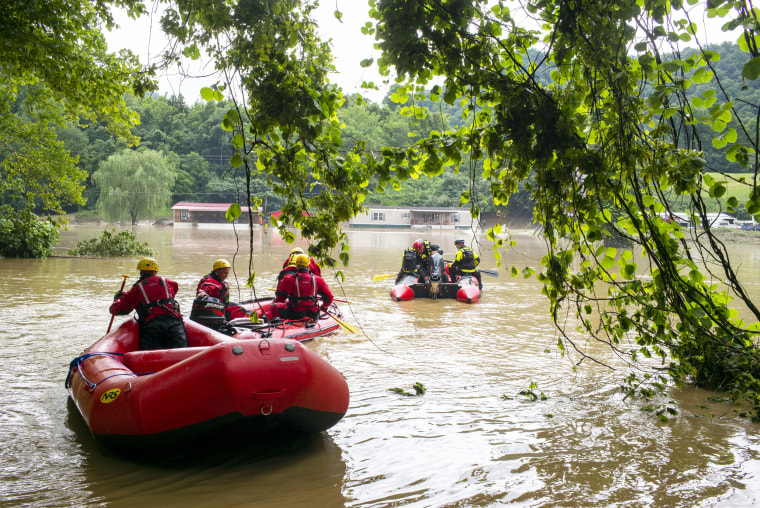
[[123, 283]]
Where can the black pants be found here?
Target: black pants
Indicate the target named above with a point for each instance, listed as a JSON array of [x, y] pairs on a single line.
[[312, 313], [163, 332]]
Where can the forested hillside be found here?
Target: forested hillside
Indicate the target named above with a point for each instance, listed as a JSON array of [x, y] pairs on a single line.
[[192, 138]]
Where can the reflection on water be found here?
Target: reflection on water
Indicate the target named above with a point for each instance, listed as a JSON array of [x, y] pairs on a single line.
[[471, 440]]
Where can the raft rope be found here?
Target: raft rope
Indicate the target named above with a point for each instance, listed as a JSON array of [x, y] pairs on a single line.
[[348, 302], [76, 362]]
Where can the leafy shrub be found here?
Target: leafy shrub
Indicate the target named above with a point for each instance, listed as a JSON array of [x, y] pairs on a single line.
[[24, 235], [112, 244]]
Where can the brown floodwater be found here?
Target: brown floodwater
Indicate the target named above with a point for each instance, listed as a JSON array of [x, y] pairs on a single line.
[[470, 440]]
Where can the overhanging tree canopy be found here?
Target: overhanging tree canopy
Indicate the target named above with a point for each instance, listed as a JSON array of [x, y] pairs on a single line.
[[56, 71], [599, 123], [593, 121]]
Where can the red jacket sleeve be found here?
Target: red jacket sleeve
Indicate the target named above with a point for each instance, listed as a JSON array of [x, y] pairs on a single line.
[[208, 286], [324, 292], [314, 267], [127, 303], [285, 287]]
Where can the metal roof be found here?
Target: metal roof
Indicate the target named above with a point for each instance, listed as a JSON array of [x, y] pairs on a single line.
[[206, 207]]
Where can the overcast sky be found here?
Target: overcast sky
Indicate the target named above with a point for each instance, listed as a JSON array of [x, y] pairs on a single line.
[[350, 47]]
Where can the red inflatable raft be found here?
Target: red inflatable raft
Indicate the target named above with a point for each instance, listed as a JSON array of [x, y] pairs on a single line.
[[405, 289], [297, 329], [139, 399], [466, 289], [469, 289]]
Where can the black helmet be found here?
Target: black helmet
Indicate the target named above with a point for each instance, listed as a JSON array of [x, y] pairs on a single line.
[[458, 241]]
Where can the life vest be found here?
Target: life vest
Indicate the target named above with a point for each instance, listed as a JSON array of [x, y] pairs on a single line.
[[300, 289], [155, 299], [409, 261], [467, 264], [219, 287], [428, 249]]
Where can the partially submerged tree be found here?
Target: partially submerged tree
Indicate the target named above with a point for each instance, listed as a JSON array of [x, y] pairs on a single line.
[[134, 184]]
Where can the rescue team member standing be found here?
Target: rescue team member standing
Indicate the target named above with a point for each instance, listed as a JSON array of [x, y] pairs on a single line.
[[465, 262], [298, 294], [161, 323], [214, 285]]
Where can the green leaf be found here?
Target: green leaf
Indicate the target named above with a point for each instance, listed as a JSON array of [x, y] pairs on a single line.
[[751, 69], [233, 212]]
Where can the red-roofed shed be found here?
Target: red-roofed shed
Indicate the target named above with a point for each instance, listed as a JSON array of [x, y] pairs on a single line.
[[210, 213]]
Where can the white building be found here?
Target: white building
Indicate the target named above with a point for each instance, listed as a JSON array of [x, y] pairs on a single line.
[[376, 216]]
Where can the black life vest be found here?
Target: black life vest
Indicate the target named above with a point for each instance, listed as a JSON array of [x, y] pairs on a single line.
[[409, 262], [468, 260]]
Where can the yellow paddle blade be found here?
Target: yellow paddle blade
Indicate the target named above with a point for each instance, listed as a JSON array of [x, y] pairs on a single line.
[[384, 276], [345, 326]]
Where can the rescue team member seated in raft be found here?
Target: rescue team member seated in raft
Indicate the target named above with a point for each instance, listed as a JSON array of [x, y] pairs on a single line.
[[409, 262], [424, 250], [214, 285], [298, 294], [291, 261], [289, 266], [465, 262], [161, 324]]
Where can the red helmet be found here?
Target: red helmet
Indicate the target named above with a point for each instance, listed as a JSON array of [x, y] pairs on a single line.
[[417, 245]]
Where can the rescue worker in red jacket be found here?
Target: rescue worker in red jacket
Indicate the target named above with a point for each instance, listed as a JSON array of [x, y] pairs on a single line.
[[424, 250], [301, 294], [214, 285], [161, 323], [313, 266]]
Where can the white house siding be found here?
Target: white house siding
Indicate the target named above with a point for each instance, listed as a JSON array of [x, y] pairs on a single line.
[[412, 217], [382, 218]]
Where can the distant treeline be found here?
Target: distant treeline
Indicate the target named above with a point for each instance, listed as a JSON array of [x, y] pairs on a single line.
[[192, 134]]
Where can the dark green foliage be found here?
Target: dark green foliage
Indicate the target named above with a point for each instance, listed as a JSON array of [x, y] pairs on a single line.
[[419, 390], [23, 235], [112, 244]]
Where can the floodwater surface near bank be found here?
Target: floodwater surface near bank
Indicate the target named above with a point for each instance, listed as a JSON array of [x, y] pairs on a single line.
[[505, 418]]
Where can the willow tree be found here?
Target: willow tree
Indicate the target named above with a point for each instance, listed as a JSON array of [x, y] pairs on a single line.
[[587, 111], [57, 73], [134, 184]]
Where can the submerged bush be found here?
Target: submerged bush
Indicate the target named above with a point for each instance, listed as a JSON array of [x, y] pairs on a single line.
[[24, 235], [112, 244]]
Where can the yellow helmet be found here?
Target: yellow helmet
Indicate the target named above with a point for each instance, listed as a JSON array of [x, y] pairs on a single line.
[[302, 260], [298, 250], [221, 263], [147, 264]]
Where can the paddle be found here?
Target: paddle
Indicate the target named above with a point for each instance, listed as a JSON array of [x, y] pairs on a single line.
[[123, 282], [345, 326], [384, 276], [492, 273]]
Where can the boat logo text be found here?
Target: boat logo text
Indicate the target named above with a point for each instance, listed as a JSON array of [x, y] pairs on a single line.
[[110, 395]]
